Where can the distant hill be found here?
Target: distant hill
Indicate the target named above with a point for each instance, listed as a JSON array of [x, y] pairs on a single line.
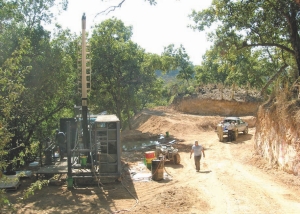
[[166, 77]]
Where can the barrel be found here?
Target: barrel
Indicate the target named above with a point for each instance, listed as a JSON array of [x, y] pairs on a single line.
[[83, 160], [149, 156], [157, 169], [167, 135]]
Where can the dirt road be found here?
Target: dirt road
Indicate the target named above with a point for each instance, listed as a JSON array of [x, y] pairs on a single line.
[[232, 178], [228, 184]]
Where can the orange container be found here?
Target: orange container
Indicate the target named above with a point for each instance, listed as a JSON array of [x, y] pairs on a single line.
[[150, 154]]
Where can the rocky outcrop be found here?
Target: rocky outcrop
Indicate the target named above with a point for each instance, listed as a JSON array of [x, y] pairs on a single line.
[[277, 136], [221, 101], [217, 107]]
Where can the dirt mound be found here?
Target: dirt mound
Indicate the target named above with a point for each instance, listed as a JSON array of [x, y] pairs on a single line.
[[160, 120], [151, 122]]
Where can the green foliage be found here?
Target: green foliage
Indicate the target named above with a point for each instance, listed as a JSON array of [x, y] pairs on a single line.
[[249, 47], [191, 89], [5, 204], [43, 72], [37, 75], [48, 88], [123, 74], [171, 99], [179, 59], [34, 187], [11, 88], [247, 67]]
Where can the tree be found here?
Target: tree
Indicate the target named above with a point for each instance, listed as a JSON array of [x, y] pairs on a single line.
[[48, 84], [116, 66], [11, 88], [271, 23], [37, 81], [179, 60], [150, 92], [243, 68]]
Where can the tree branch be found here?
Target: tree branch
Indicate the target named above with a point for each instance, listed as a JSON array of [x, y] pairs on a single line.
[[273, 78], [110, 9], [113, 8], [245, 45]]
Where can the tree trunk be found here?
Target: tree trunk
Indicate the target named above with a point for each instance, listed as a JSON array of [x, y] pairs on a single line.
[[128, 118], [273, 78], [295, 39]]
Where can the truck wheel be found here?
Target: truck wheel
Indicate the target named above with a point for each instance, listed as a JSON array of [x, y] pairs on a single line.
[[246, 130], [220, 137], [177, 159]]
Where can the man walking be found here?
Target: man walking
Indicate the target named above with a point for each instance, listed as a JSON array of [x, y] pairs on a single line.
[[230, 129], [197, 150]]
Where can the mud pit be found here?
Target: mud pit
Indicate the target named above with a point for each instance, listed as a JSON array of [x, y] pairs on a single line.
[[232, 178]]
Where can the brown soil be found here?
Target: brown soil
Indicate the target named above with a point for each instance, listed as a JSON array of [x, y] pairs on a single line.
[[232, 178]]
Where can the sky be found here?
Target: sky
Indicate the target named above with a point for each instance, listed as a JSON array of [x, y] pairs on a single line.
[[154, 27]]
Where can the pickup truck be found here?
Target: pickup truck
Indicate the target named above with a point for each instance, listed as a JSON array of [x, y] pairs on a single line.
[[240, 126]]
